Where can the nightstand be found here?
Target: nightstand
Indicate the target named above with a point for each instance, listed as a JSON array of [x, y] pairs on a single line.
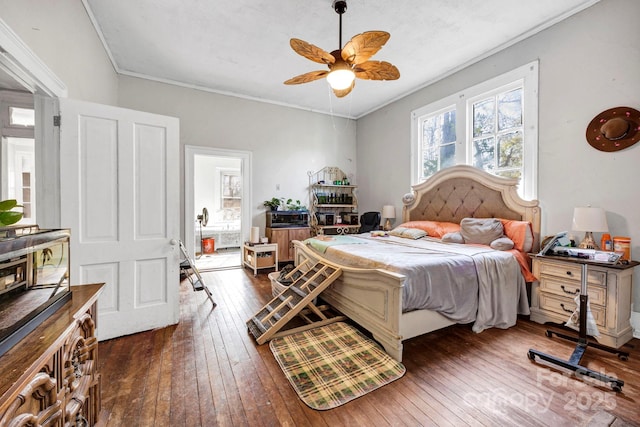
[[260, 256], [609, 288]]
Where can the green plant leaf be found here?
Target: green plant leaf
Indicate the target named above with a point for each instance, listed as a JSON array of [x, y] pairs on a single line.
[[8, 218], [7, 205]]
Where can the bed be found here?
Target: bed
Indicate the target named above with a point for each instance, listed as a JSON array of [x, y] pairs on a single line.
[[373, 297]]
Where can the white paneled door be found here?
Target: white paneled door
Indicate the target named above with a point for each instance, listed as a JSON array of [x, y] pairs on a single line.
[[119, 188]]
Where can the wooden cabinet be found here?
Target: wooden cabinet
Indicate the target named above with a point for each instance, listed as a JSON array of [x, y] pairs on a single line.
[[284, 237], [334, 203], [50, 377], [609, 289]]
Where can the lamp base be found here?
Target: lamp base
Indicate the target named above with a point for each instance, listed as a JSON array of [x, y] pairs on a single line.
[[588, 242], [387, 225]]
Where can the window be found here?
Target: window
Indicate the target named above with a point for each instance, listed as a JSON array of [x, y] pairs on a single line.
[[492, 126], [231, 194]]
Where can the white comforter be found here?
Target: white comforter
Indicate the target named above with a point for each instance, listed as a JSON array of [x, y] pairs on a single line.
[[465, 283]]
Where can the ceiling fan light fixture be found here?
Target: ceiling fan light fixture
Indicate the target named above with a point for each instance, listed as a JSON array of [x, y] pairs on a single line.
[[348, 62], [341, 79]]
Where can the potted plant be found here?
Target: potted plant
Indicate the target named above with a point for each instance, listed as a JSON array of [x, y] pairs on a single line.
[[272, 204], [297, 206], [7, 215]]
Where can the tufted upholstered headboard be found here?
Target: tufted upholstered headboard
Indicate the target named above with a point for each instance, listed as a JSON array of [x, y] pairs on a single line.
[[464, 191]]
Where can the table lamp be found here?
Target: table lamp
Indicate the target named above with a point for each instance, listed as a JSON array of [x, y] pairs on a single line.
[[589, 219], [388, 213]]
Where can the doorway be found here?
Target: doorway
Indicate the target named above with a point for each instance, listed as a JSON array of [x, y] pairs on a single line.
[[217, 209]]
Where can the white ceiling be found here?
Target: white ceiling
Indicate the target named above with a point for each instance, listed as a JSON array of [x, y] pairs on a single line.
[[241, 47]]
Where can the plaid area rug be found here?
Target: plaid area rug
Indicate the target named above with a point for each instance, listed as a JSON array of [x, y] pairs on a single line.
[[334, 364]]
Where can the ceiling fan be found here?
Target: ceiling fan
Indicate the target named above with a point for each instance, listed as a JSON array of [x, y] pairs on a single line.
[[347, 63]]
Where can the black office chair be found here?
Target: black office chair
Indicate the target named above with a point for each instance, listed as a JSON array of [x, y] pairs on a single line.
[[369, 221]]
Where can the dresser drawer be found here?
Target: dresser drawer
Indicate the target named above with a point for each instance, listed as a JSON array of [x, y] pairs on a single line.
[[571, 289], [566, 306], [572, 271]]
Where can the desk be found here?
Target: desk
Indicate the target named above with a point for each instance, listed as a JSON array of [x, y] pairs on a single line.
[[259, 256]]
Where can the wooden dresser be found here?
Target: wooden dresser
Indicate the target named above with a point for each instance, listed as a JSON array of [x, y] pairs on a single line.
[[50, 377], [609, 288]]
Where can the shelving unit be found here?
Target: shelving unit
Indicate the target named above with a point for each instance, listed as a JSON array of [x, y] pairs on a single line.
[[334, 203]]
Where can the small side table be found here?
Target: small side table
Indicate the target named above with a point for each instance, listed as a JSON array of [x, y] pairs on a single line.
[[257, 256]]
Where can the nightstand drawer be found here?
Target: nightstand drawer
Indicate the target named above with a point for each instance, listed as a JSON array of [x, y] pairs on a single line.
[[566, 306], [571, 289], [568, 271]]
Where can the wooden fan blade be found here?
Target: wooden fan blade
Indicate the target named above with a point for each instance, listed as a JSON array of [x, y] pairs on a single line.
[[376, 70], [344, 92], [363, 46], [311, 52], [306, 77]]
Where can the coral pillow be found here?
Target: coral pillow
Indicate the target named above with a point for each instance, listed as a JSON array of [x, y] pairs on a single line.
[[521, 232], [433, 228]]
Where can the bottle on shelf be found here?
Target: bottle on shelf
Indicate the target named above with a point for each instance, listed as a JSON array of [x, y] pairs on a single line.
[[605, 243]]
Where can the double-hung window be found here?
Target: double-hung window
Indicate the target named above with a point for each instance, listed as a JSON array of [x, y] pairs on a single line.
[[491, 126]]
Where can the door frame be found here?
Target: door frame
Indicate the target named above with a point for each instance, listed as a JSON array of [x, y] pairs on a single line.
[[245, 157]]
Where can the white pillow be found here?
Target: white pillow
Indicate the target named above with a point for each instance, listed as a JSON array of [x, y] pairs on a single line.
[[408, 233], [502, 244], [454, 237], [482, 231]]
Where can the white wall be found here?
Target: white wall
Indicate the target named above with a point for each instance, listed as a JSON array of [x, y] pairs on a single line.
[[286, 143], [588, 63], [60, 33]]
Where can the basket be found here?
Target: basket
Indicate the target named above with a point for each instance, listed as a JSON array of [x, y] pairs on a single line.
[[276, 287]]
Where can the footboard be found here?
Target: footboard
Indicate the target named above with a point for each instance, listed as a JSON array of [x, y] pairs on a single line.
[[370, 297]]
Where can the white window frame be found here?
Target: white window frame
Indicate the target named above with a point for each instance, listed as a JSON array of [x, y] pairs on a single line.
[[527, 76]]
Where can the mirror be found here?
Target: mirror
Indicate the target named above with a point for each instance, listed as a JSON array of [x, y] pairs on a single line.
[[17, 151]]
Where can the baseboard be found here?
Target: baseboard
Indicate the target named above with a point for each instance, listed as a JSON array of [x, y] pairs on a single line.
[[635, 324]]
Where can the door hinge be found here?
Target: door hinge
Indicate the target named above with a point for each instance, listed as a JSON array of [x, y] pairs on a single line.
[[56, 120]]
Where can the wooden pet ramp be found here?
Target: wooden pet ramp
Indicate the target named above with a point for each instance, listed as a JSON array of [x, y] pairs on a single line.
[[188, 268], [297, 299]]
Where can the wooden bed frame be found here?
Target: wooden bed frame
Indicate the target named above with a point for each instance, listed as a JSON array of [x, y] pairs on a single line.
[[373, 297]]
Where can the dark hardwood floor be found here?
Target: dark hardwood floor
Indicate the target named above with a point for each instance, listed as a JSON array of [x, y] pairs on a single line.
[[208, 370]]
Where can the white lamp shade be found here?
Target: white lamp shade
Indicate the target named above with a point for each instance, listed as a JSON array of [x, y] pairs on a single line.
[[388, 211], [589, 219]]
